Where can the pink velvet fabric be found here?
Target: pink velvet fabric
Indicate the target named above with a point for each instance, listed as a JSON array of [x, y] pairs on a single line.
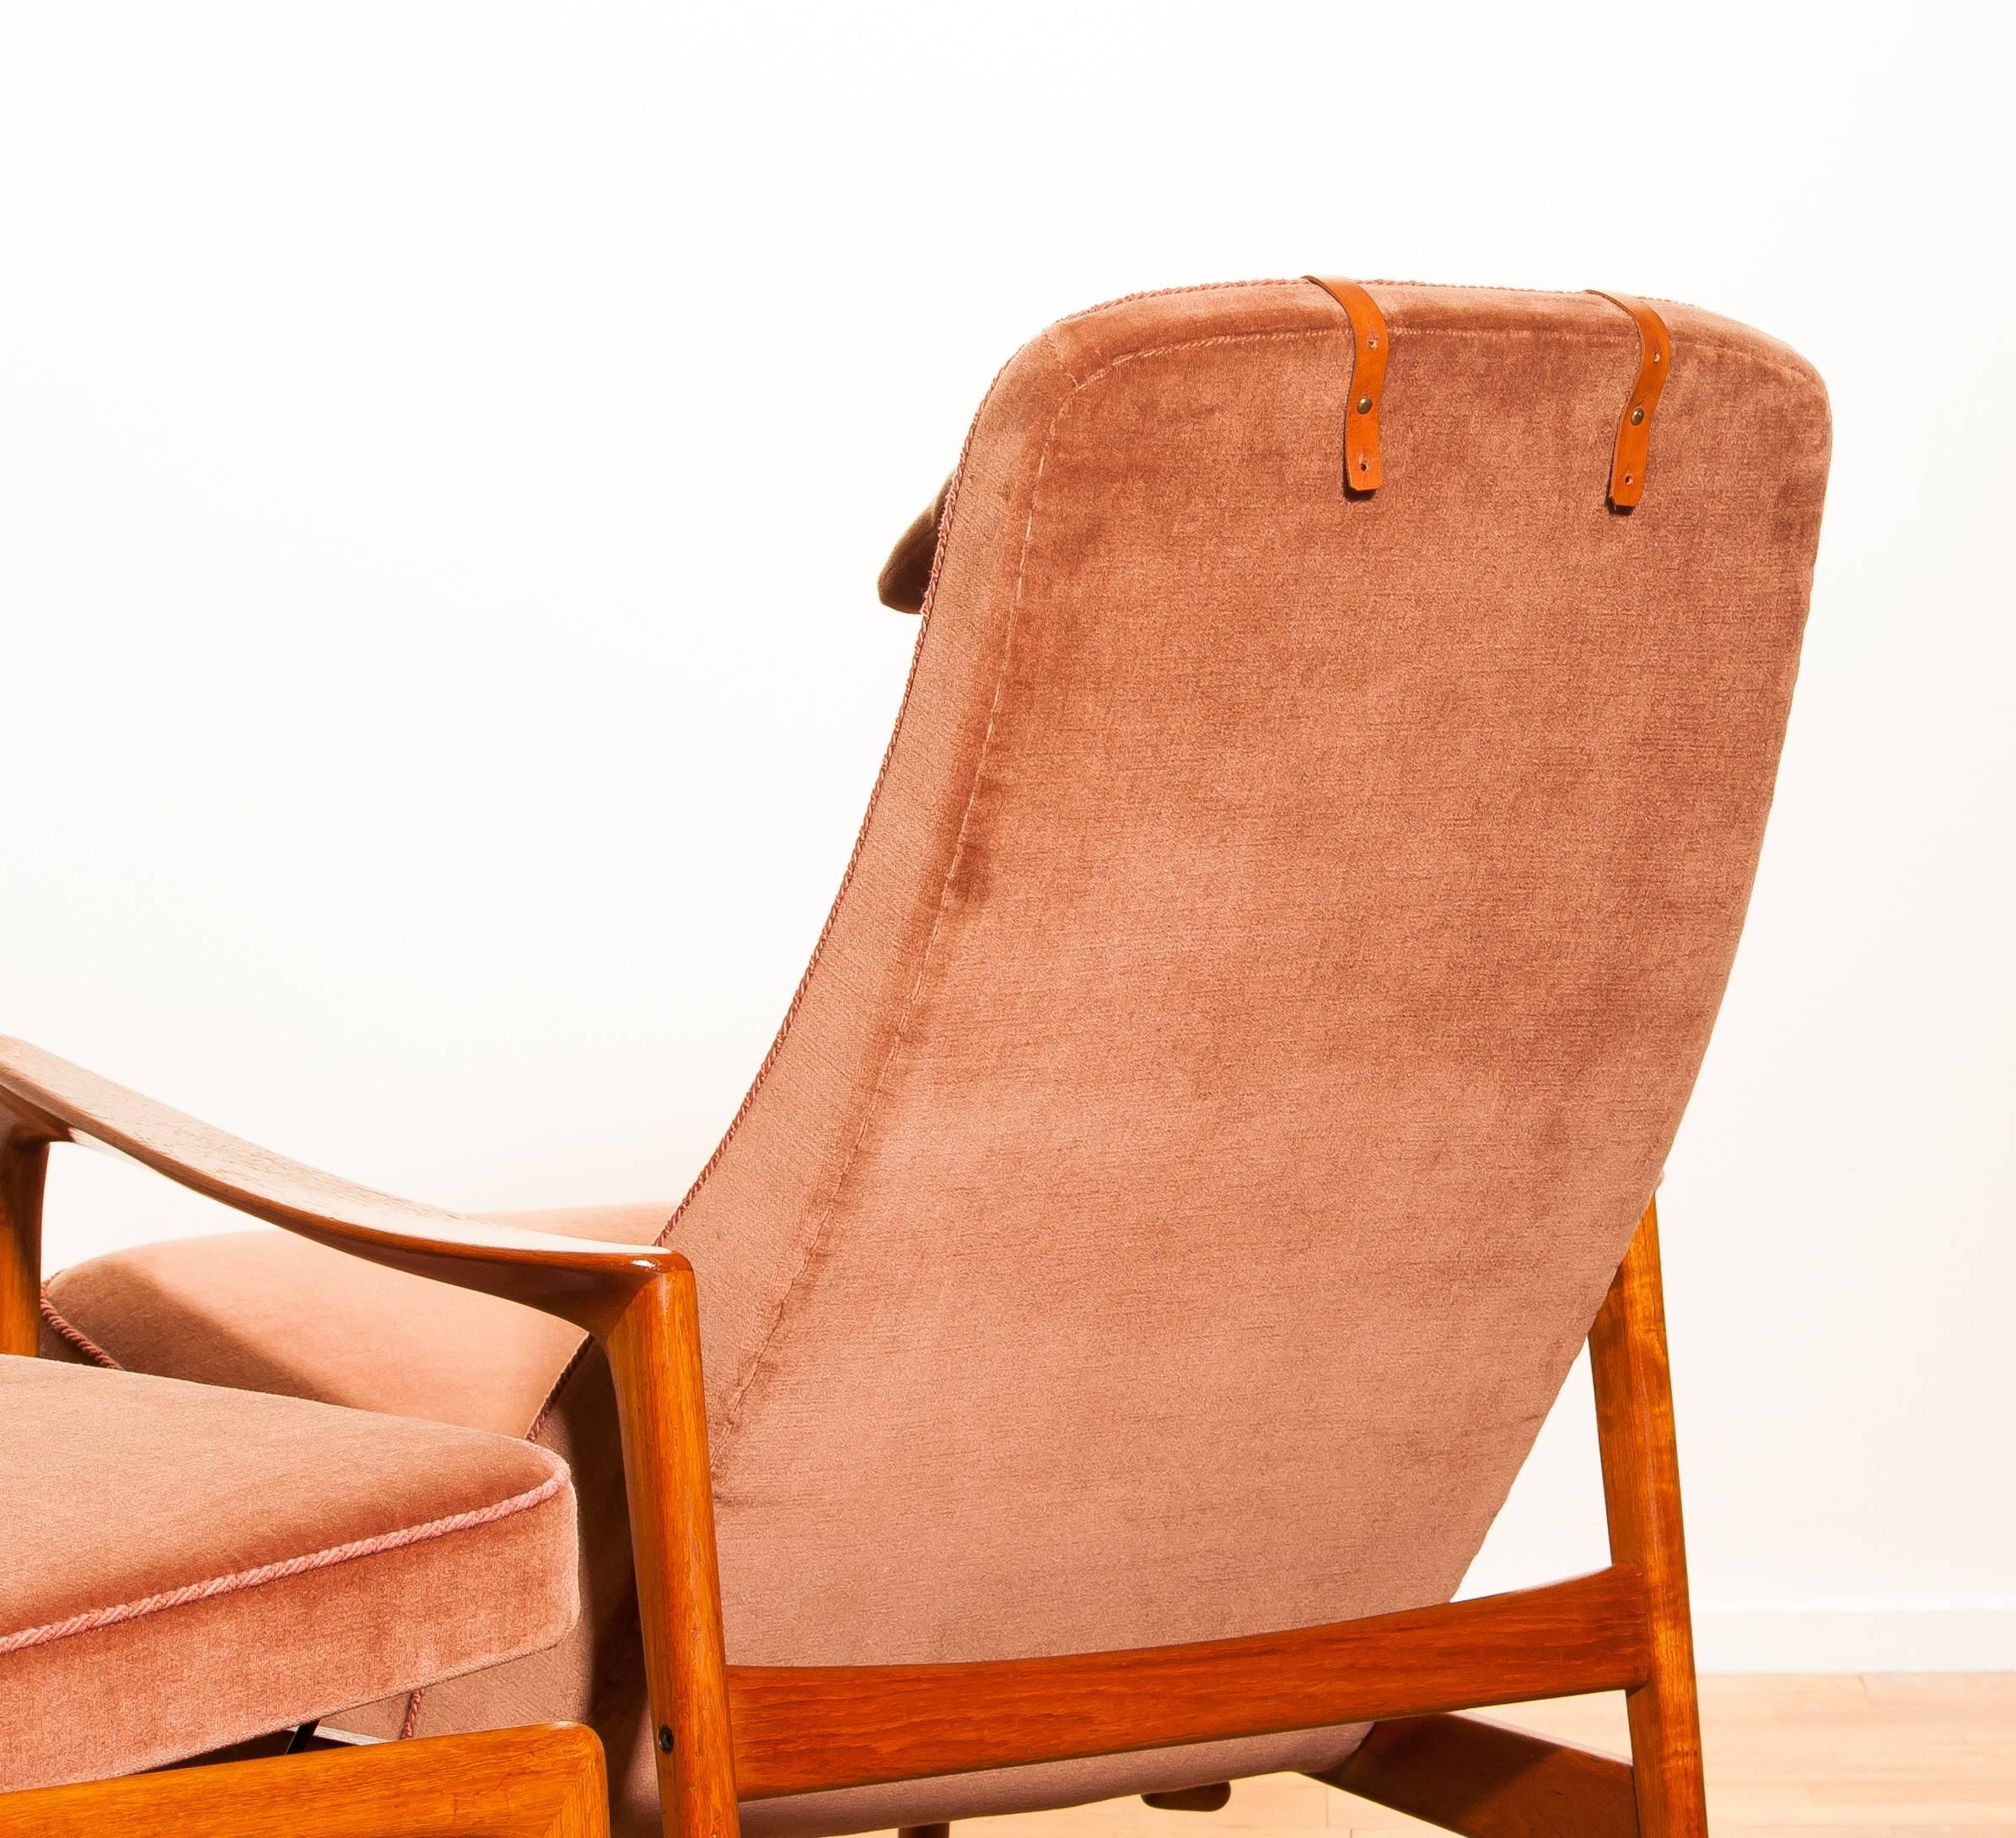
[[229, 1309], [183, 1566], [1273, 970]]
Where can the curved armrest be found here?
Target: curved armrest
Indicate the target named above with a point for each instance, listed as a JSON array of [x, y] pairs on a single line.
[[583, 1280]]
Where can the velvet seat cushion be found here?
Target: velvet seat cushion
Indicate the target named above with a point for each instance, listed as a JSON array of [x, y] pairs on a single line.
[[183, 1566], [227, 1310]]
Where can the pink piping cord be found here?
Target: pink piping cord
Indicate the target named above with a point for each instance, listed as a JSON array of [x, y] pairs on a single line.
[[290, 1567], [76, 1337]]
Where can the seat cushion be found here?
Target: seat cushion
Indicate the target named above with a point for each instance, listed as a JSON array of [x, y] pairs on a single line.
[[183, 1566], [229, 1311]]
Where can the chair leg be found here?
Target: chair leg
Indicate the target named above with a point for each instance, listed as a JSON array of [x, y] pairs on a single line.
[[1640, 1490], [546, 1781]]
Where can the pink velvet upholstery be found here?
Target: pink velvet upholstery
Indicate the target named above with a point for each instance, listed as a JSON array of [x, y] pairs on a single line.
[[1273, 968], [227, 1309], [183, 1566]]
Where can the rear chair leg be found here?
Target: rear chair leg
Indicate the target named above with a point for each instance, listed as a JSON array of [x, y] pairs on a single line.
[[1641, 1492]]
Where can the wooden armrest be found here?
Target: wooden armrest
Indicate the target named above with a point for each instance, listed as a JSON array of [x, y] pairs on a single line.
[[44, 1099]]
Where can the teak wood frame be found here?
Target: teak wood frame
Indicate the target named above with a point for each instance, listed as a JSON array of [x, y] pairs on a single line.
[[726, 1734], [546, 1780]]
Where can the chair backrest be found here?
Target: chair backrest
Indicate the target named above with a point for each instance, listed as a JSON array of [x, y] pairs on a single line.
[[1276, 956]]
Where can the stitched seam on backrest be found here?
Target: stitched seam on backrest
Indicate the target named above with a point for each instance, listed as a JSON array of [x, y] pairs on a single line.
[[825, 931], [815, 1238]]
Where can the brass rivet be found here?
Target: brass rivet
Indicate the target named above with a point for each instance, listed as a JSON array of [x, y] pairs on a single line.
[[1657, 356], [1364, 404], [664, 1739], [1637, 415]]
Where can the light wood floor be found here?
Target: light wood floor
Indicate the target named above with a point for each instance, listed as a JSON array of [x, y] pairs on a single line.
[[1886, 1755]]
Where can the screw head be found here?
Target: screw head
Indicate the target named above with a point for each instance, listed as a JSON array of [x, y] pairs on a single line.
[[665, 1739], [1637, 415], [1364, 404]]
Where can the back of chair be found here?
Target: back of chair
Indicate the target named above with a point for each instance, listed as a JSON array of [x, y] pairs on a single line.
[[1276, 960]]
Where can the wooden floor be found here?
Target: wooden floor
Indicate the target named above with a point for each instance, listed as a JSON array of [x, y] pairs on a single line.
[[1929, 1756]]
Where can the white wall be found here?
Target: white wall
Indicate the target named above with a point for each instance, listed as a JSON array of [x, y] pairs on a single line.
[[445, 453]]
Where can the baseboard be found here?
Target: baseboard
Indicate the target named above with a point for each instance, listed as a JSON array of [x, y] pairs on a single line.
[[1856, 1640]]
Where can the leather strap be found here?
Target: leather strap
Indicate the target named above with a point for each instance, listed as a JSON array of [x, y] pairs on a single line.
[[1362, 470], [906, 577], [1634, 425]]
